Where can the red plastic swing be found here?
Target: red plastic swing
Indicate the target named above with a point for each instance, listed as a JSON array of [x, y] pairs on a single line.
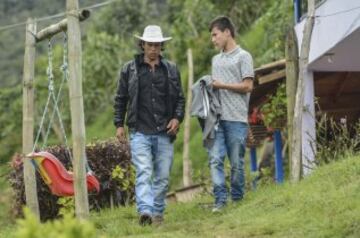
[[54, 174]]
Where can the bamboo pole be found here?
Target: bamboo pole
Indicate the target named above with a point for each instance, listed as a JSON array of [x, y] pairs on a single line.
[[187, 181], [60, 26], [77, 109], [299, 101], [28, 117], [292, 73]]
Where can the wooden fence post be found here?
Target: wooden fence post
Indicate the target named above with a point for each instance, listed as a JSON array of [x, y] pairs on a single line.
[[297, 123], [292, 73], [77, 109], [186, 160], [28, 117]]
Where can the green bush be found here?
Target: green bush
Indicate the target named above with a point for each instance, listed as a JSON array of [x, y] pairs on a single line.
[[67, 206], [276, 110], [68, 227]]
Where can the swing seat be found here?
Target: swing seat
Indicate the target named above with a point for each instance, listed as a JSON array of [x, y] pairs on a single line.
[[54, 174]]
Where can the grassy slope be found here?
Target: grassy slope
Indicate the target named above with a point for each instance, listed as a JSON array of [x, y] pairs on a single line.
[[326, 204]]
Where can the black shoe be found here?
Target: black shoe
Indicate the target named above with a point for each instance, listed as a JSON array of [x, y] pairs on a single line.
[[145, 220]]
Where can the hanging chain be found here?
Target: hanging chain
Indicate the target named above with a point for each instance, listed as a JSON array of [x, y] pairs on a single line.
[[64, 69], [50, 88], [65, 73]]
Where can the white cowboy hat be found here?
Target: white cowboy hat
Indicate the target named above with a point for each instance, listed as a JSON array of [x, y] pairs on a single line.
[[153, 33]]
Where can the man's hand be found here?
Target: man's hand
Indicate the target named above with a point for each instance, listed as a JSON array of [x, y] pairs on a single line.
[[173, 126], [120, 134], [217, 84]]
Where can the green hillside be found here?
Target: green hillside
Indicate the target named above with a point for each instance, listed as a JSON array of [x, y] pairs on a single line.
[[325, 204]]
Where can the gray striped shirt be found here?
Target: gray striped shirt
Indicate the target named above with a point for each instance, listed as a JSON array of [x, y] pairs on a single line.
[[233, 67]]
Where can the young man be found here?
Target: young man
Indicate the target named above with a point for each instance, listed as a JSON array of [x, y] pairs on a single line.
[[232, 72], [150, 93]]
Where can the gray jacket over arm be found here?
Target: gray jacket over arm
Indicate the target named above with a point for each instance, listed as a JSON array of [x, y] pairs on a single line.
[[207, 107]]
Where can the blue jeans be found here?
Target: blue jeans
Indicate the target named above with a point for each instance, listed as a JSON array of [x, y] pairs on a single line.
[[152, 156], [230, 139]]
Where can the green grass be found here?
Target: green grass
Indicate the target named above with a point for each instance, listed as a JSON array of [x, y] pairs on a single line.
[[5, 196], [325, 204]]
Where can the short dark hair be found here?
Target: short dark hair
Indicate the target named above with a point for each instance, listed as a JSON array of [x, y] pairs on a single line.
[[141, 42], [222, 23]]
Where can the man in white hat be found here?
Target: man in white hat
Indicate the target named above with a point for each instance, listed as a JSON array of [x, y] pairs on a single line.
[[150, 93]]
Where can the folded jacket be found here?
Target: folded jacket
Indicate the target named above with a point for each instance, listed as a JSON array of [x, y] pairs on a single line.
[[206, 106]]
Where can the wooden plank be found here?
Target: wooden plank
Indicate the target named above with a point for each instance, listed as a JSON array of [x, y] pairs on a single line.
[[271, 66], [272, 77], [299, 102], [28, 118], [186, 160], [292, 72], [77, 109], [59, 27]]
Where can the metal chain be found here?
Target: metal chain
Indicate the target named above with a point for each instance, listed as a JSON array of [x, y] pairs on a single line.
[[50, 75], [42, 122], [65, 73], [64, 69], [50, 88]]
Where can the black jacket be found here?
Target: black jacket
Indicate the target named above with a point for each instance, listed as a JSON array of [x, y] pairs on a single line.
[[126, 98]]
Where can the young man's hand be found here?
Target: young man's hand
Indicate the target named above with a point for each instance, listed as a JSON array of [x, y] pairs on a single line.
[[217, 84], [173, 126], [120, 134]]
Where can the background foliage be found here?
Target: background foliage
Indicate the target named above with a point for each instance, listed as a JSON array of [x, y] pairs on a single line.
[[108, 43]]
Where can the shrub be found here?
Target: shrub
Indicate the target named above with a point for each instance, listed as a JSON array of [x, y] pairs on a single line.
[[104, 157], [275, 110], [68, 227]]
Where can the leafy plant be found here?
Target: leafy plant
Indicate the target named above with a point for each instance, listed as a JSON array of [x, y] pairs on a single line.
[[67, 206], [125, 177], [68, 227], [275, 110]]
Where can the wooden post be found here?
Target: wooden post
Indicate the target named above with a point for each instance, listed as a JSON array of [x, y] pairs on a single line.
[[77, 109], [187, 181], [292, 73], [28, 117], [297, 123]]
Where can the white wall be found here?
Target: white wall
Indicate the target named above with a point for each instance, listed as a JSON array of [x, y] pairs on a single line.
[[330, 30]]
